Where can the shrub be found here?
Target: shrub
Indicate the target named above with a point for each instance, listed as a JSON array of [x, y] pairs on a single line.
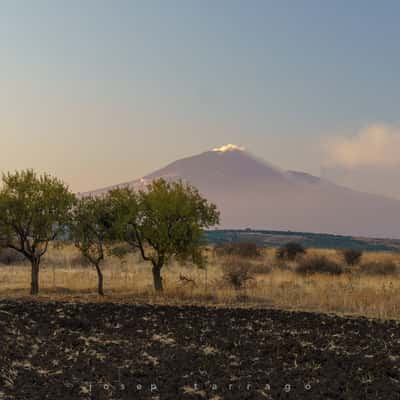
[[260, 268], [318, 264], [241, 249], [237, 274], [386, 267], [78, 260], [351, 256], [9, 256], [290, 251], [121, 251]]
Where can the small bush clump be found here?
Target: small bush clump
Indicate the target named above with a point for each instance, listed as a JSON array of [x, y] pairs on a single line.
[[78, 260], [386, 267], [351, 256], [10, 257], [237, 274], [290, 251], [121, 251], [241, 249], [318, 264], [261, 269]]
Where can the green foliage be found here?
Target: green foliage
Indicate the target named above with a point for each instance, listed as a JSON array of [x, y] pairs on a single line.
[[91, 227], [120, 251], [32, 208], [124, 206], [172, 217], [33, 211], [166, 220]]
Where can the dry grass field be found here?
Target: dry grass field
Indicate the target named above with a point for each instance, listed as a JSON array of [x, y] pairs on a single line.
[[70, 343], [272, 283]]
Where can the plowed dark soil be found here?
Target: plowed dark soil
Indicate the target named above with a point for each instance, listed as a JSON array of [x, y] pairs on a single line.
[[112, 351]]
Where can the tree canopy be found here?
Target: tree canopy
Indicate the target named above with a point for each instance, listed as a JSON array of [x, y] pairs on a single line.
[[33, 212], [91, 230], [165, 220]]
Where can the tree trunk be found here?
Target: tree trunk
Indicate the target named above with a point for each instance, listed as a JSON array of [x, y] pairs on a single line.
[[35, 276], [158, 284], [100, 290]]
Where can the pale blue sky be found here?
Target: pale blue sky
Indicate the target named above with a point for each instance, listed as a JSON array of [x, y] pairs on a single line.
[[100, 92]]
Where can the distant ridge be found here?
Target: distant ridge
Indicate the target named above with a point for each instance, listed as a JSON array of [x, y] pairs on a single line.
[[253, 193], [306, 239]]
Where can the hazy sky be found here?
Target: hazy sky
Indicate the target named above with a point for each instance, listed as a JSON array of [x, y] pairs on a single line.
[[100, 92]]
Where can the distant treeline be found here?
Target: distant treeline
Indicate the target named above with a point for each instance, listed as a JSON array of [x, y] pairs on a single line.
[[306, 239]]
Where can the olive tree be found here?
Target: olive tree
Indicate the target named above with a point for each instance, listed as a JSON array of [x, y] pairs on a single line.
[[90, 230], [33, 212], [166, 220]]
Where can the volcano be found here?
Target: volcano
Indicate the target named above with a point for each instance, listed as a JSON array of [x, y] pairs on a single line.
[[252, 193]]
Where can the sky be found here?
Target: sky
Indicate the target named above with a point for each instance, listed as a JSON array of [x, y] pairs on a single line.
[[101, 92]]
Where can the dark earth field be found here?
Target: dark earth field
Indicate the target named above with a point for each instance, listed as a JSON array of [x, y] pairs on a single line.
[[117, 351]]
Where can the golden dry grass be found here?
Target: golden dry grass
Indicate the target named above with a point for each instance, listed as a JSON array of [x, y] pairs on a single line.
[[274, 284]]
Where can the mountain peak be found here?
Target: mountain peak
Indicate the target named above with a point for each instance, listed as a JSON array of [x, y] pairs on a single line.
[[228, 147], [253, 193]]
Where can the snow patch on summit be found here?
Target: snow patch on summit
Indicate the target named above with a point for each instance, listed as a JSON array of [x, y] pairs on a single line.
[[228, 147]]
